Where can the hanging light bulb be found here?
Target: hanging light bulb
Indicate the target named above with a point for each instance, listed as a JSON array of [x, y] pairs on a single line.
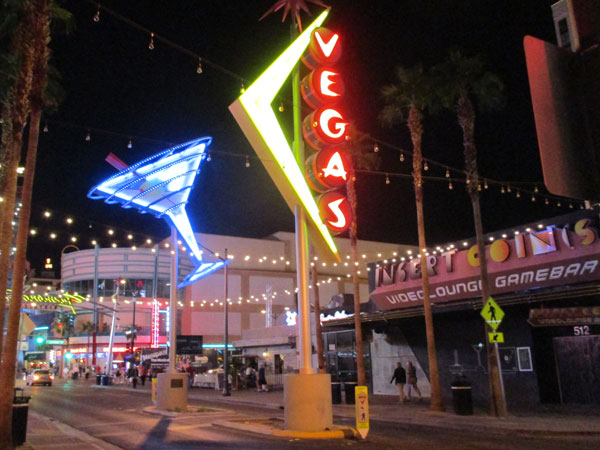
[[376, 148], [242, 89], [518, 194], [535, 189], [199, 69], [467, 180], [88, 137], [485, 184], [479, 187], [508, 189], [558, 203], [425, 166], [151, 43], [281, 107], [533, 198], [450, 187], [570, 205], [502, 191], [546, 201], [45, 128], [208, 158], [97, 16], [247, 162], [401, 157], [130, 144], [447, 173], [353, 177], [387, 179]]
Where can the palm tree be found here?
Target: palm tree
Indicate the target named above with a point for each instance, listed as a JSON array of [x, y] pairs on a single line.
[[461, 80], [14, 115], [87, 328], [405, 101], [63, 326], [361, 159]]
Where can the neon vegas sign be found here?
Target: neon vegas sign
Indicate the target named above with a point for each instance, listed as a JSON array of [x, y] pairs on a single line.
[[325, 129], [65, 300], [255, 116]]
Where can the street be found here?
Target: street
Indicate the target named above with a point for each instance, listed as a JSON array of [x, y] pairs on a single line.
[[116, 416]]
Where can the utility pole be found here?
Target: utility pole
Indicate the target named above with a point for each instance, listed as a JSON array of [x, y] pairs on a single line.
[[226, 391]]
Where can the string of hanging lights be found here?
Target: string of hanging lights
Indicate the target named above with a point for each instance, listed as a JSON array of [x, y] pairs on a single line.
[[451, 175], [377, 145]]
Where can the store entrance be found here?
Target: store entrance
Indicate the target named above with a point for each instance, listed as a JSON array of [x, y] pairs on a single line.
[[578, 367]]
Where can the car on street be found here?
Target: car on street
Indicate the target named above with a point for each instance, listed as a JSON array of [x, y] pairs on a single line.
[[40, 376]]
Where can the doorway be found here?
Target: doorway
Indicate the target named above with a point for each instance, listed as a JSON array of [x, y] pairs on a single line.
[[578, 368]]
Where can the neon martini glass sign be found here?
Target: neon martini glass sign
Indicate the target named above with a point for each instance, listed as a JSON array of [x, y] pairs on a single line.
[[255, 116], [160, 185]]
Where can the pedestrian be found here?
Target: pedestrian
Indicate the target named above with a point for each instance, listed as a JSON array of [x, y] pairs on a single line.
[[250, 376], [411, 375], [400, 377], [261, 386], [134, 375], [143, 376]]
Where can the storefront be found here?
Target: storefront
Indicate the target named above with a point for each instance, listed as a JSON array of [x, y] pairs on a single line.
[[544, 276]]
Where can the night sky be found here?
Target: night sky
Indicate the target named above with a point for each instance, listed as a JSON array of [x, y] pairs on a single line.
[[116, 84]]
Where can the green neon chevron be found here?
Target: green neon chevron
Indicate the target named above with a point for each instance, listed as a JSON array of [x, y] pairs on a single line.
[[256, 102]]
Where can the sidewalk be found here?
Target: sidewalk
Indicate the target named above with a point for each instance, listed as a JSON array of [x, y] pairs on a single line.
[[44, 433], [557, 421]]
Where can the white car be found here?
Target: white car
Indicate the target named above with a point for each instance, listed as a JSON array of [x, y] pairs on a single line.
[[40, 376]]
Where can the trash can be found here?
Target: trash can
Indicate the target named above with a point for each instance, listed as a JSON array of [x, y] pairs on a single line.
[[105, 380], [462, 400], [336, 393], [349, 389], [20, 410], [74, 375], [98, 379]]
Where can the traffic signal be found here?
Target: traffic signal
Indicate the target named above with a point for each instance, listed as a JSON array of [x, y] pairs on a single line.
[[39, 340], [327, 169]]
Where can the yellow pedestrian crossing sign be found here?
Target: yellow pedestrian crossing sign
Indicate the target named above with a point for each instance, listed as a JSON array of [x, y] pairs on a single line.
[[361, 395], [492, 313], [496, 337]]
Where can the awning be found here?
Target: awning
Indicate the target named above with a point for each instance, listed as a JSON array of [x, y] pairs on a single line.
[[549, 317]]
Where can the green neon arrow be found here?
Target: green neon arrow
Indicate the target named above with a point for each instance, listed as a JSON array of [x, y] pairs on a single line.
[[255, 116]]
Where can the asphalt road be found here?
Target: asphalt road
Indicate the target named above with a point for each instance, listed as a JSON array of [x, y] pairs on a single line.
[[116, 416]]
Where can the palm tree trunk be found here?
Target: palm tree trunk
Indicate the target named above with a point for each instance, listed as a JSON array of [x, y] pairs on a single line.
[[19, 103], [415, 126], [318, 328], [9, 193], [466, 119], [360, 361]]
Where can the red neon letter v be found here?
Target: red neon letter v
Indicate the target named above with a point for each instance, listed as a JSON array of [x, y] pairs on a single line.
[[327, 48]]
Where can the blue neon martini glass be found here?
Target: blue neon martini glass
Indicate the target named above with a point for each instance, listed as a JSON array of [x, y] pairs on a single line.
[[160, 185]]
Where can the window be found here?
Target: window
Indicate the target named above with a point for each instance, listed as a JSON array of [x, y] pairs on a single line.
[[524, 359]]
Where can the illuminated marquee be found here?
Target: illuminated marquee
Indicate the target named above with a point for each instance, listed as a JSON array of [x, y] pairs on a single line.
[[65, 300], [254, 114], [161, 185], [324, 130]]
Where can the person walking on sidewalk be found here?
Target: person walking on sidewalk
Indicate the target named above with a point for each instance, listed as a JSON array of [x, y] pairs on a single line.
[[411, 372], [400, 377], [262, 380], [143, 375], [134, 375]]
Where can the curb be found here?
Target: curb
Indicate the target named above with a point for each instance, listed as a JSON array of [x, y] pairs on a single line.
[[339, 432]]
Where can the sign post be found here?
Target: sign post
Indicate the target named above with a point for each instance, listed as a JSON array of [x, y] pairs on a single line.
[[361, 394]]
